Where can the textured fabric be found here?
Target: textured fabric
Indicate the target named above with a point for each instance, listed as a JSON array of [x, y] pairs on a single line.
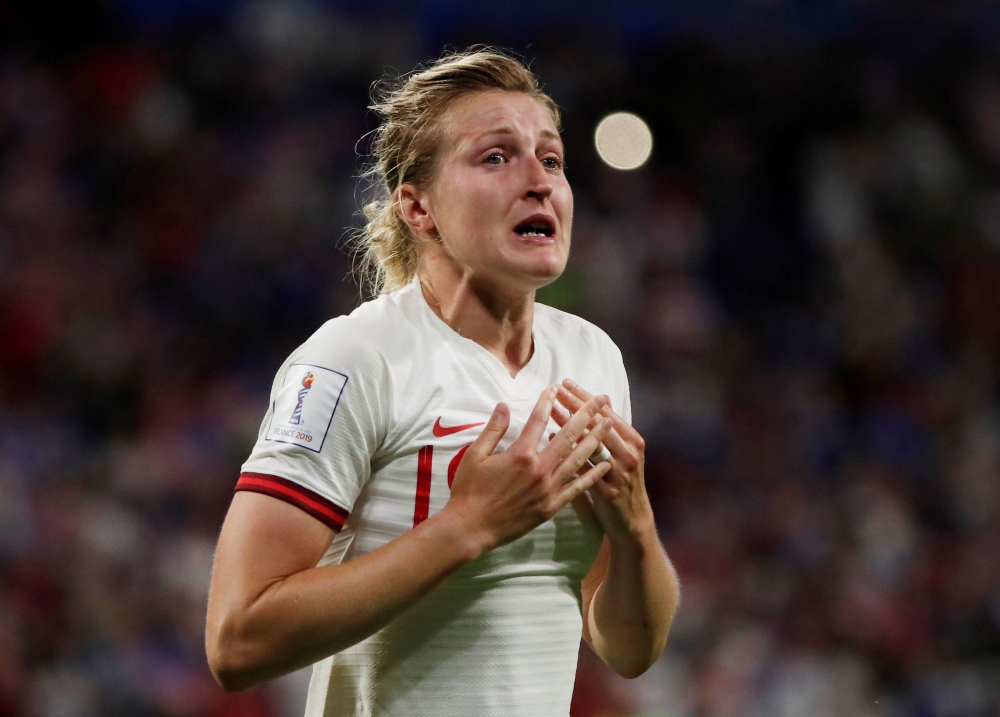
[[314, 504], [403, 395]]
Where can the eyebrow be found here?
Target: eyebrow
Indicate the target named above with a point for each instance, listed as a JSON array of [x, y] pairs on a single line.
[[547, 133]]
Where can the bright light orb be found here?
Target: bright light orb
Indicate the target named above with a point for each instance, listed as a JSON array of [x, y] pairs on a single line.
[[623, 140]]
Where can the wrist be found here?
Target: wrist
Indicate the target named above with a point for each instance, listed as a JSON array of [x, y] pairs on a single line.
[[464, 534], [638, 536]]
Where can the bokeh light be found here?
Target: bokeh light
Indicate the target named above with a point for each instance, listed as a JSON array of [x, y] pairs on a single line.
[[623, 140]]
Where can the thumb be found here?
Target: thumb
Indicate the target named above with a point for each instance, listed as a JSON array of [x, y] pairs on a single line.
[[493, 433], [602, 489]]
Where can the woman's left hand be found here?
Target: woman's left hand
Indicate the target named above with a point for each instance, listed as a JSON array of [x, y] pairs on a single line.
[[619, 498]]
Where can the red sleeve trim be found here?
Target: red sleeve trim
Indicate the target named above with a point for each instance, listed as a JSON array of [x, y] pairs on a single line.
[[283, 489]]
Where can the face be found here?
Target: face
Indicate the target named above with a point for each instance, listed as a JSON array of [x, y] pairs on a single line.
[[500, 207]]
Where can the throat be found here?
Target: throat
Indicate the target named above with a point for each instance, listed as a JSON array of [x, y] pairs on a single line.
[[512, 348], [504, 330], [514, 364]]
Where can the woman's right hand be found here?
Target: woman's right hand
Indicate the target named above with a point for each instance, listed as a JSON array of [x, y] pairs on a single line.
[[502, 496]]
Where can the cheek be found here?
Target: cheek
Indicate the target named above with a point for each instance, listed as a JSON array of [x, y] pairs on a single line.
[[563, 199], [466, 205]]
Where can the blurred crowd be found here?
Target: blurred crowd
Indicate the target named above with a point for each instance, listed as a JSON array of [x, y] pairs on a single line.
[[804, 280]]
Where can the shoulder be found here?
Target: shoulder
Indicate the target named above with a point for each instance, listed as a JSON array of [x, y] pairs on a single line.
[[571, 331], [375, 335], [587, 355]]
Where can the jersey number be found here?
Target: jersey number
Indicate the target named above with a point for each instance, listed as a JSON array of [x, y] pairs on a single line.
[[425, 464]]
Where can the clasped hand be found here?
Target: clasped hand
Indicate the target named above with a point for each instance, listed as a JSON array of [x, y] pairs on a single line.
[[619, 498], [501, 496]]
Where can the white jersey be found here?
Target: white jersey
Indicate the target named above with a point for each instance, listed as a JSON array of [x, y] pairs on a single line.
[[367, 424]]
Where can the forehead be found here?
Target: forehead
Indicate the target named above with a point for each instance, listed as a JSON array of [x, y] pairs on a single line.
[[482, 113]]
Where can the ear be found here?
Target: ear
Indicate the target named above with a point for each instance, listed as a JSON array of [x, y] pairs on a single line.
[[412, 206]]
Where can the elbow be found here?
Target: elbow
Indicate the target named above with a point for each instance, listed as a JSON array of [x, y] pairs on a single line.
[[632, 674], [230, 677], [630, 669], [230, 660], [637, 660], [229, 680]]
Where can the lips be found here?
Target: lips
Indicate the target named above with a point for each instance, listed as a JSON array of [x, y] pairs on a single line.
[[537, 227]]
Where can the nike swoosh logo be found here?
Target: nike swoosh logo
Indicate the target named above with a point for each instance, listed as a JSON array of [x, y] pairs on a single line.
[[441, 431]]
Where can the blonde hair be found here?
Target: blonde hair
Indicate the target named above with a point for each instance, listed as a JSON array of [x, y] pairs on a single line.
[[405, 147]]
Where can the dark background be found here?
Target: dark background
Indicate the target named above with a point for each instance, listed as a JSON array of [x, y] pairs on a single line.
[[804, 279]]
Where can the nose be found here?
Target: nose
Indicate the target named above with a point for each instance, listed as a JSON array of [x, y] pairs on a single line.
[[539, 181]]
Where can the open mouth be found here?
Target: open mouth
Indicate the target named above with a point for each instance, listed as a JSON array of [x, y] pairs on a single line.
[[536, 227]]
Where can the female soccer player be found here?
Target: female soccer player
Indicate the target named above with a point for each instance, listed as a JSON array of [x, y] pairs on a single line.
[[419, 517]]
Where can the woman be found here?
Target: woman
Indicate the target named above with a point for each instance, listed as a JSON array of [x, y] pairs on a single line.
[[419, 517]]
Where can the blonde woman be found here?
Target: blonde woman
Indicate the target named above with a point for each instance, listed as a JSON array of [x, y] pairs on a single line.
[[430, 517]]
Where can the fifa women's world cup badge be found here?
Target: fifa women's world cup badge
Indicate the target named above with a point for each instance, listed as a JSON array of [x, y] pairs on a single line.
[[305, 404], [307, 383]]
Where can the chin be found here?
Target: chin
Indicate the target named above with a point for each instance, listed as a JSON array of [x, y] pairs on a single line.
[[543, 269], [528, 273], [522, 279], [551, 275], [543, 276]]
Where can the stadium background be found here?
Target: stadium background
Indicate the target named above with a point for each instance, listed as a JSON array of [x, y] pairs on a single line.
[[805, 281]]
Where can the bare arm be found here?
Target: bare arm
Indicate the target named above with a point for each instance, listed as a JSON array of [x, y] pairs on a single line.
[[629, 602], [631, 592], [271, 611]]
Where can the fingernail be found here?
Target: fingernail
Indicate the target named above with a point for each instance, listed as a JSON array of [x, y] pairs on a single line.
[[571, 382]]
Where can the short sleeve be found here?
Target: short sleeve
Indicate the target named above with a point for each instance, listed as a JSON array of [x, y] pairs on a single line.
[[619, 382], [327, 416]]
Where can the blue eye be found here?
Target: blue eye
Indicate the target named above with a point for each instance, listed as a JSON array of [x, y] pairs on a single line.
[[551, 163], [495, 158]]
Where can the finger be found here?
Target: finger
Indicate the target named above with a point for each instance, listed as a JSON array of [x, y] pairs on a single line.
[[621, 425], [570, 399], [585, 510], [571, 432], [602, 454], [493, 433], [606, 488], [531, 434], [614, 441], [562, 416], [612, 481], [559, 414], [584, 449], [582, 483], [574, 425]]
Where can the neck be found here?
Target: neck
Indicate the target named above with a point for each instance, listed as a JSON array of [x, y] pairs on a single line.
[[477, 309]]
